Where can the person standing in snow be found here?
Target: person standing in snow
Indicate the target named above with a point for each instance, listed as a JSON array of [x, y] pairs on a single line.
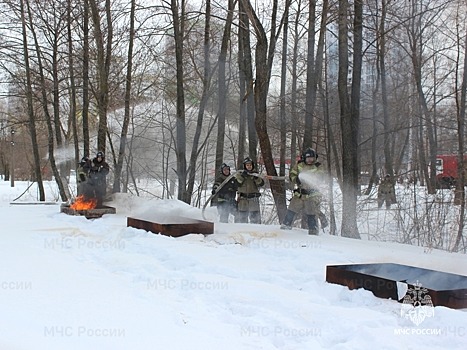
[[249, 183], [306, 197], [82, 173], [386, 192], [98, 170], [225, 197]]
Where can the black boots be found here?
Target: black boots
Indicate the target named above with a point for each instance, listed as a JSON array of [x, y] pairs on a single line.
[[312, 225], [288, 220]]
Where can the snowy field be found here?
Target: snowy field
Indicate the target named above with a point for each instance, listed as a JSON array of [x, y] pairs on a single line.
[[71, 283]]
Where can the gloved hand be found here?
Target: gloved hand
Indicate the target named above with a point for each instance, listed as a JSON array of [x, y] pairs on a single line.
[[213, 191], [244, 173], [82, 177]]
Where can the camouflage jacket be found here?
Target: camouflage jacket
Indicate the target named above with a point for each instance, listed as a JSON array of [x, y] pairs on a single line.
[[249, 184], [228, 191], [306, 178]]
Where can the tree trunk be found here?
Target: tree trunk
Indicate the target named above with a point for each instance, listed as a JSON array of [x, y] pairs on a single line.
[[310, 77], [222, 87], [388, 156], [282, 113], [264, 59], [64, 193], [244, 31], [243, 37], [416, 54], [374, 171], [314, 68], [104, 55], [323, 88], [349, 120], [195, 149], [460, 188], [86, 150], [294, 88], [178, 24], [126, 117], [73, 109], [32, 119]]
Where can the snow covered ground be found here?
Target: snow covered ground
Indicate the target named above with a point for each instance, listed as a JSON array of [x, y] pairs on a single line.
[[71, 283]]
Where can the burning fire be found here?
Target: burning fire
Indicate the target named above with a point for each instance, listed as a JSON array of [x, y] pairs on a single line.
[[82, 204]]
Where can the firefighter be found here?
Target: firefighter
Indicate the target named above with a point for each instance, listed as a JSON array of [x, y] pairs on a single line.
[[82, 173], [386, 192], [306, 196], [225, 195], [249, 183], [98, 170]]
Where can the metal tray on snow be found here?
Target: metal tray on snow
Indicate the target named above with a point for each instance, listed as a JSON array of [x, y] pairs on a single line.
[[174, 227], [88, 213], [445, 289]]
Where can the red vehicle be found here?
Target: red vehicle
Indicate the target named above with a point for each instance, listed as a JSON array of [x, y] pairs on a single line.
[[447, 169]]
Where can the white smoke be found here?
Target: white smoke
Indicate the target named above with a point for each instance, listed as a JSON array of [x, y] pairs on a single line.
[[314, 180]]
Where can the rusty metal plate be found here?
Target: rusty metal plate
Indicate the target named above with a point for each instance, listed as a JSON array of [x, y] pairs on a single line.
[[445, 289], [89, 213], [181, 226]]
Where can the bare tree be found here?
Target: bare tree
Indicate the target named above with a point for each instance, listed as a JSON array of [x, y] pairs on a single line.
[[64, 192], [388, 159], [179, 29], [86, 149], [195, 149], [126, 117], [460, 189], [72, 87], [314, 67], [264, 59], [422, 18], [294, 101], [350, 109], [29, 98], [282, 113], [245, 95], [222, 90], [104, 55], [247, 102]]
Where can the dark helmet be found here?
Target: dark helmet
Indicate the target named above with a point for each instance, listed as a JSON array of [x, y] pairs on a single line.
[[100, 154], [84, 160], [224, 166], [309, 152], [248, 160]]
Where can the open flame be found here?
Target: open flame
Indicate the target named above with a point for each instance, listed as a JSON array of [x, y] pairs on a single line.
[[82, 204]]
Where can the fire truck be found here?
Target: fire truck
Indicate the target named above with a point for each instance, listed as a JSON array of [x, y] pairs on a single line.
[[447, 170]]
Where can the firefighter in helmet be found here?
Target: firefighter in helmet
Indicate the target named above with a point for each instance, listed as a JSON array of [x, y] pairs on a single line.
[[225, 195], [98, 170], [249, 183], [306, 178], [82, 174]]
